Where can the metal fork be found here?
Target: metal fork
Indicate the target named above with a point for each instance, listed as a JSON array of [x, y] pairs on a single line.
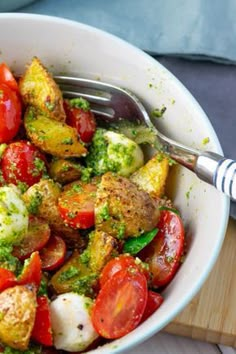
[[113, 103]]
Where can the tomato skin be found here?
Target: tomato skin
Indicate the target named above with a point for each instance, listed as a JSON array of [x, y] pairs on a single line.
[[36, 238], [31, 273], [77, 207], [22, 162], [53, 254], [122, 262], [10, 113], [83, 121], [7, 279], [154, 301], [120, 304], [7, 78], [42, 330], [163, 254]]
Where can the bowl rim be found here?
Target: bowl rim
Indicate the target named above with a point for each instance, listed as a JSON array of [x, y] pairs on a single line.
[[182, 303]]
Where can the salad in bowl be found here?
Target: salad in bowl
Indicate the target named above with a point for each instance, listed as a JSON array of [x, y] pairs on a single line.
[[88, 239]]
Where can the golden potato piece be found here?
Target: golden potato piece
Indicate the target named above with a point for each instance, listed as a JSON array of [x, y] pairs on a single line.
[[74, 275], [122, 210], [38, 88], [102, 247], [152, 176], [41, 200], [17, 315], [53, 137], [64, 171]]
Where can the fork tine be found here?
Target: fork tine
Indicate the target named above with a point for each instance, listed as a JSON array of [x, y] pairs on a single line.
[[90, 97]]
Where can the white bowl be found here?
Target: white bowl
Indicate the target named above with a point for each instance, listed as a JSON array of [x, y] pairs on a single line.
[[66, 46]]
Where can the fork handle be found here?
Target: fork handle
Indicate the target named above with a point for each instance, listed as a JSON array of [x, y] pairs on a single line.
[[218, 171]]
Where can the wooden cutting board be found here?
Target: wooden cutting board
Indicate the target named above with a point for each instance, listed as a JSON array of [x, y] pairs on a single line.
[[211, 315]]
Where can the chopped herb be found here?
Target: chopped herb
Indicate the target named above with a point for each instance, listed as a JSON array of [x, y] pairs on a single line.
[[22, 186], [7, 260], [85, 257], [158, 113], [35, 202], [50, 105], [80, 103], [39, 167], [77, 188], [86, 173], [188, 192], [67, 141], [103, 213], [68, 274], [206, 140], [32, 350], [43, 287]]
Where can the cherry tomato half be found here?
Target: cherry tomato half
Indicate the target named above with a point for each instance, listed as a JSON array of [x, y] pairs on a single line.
[[10, 113], [7, 279], [164, 252], [53, 254], [122, 262], [76, 205], [36, 238], [42, 330], [120, 304], [82, 120], [7, 78], [31, 273], [154, 301], [22, 162]]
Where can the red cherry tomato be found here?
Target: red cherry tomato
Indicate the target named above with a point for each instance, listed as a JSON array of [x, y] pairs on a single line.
[[120, 304], [36, 238], [53, 254], [76, 207], [22, 162], [7, 279], [10, 113], [82, 120], [154, 301], [122, 262], [42, 330], [31, 273], [163, 254], [7, 78]]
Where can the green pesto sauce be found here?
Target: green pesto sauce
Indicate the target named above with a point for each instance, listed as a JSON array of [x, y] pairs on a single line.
[[84, 284], [35, 202], [68, 274], [7, 260], [79, 103], [97, 159], [158, 112], [103, 213]]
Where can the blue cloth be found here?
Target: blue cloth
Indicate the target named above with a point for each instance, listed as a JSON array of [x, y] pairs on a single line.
[[193, 29], [183, 27]]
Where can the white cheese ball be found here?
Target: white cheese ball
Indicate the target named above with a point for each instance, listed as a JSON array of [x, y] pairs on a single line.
[[13, 215], [71, 322], [125, 152]]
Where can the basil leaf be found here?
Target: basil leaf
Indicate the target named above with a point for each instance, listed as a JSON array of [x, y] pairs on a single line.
[[170, 209], [135, 244]]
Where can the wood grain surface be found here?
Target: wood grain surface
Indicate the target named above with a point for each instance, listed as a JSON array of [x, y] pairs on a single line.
[[211, 315]]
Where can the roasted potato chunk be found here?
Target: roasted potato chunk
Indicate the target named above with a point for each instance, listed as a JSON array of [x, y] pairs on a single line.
[[17, 315], [64, 171], [38, 88], [152, 176], [41, 200], [122, 210], [75, 275], [102, 247], [53, 137]]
